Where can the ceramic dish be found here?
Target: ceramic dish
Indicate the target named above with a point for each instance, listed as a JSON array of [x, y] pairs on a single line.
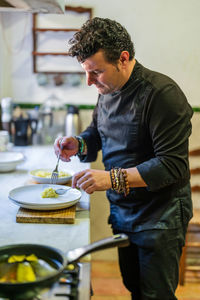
[[40, 179], [29, 196], [9, 160]]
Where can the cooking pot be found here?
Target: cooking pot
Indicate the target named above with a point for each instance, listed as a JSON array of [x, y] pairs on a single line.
[[28, 290]]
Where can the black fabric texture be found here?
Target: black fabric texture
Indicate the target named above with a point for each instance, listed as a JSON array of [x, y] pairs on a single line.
[[145, 125]]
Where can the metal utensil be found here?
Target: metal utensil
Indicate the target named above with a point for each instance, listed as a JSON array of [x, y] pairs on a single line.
[[54, 175], [62, 191]]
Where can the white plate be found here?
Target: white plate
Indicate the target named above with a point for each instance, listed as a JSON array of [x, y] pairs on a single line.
[[9, 160], [52, 207], [29, 196], [61, 180]]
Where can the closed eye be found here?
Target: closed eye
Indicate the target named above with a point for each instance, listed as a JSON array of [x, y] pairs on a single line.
[[97, 72]]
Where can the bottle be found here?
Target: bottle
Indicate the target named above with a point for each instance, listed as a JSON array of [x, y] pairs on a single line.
[[6, 113], [72, 122]]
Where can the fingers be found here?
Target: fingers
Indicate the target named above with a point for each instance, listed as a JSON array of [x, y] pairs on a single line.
[[76, 178], [64, 158], [81, 180], [88, 180], [58, 145], [66, 147]]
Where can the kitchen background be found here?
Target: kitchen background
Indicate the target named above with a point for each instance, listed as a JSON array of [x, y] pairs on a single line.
[[166, 38], [165, 33]]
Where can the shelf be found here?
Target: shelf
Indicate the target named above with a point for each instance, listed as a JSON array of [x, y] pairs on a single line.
[[50, 53], [60, 72], [55, 29], [46, 55]]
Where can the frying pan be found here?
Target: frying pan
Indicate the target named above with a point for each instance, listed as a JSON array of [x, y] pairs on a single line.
[[28, 290]]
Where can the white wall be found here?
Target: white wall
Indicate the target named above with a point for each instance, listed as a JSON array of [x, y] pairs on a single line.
[[165, 33]]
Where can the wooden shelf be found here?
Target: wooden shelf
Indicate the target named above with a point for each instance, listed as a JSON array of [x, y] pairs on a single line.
[[55, 29], [195, 188], [60, 72], [50, 53], [36, 53]]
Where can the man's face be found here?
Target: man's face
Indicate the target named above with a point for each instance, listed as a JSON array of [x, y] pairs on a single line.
[[105, 76]]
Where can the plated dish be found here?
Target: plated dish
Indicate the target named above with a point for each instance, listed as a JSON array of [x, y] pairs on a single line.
[[30, 197], [44, 175], [9, 160]]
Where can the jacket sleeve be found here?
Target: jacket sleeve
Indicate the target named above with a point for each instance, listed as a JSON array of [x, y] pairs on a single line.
[[168, 117], [92, 138]]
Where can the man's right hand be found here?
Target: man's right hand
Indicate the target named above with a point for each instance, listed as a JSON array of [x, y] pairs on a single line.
[[66, 147]]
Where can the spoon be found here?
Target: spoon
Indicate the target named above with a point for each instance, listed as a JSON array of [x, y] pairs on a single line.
[[62, 191]]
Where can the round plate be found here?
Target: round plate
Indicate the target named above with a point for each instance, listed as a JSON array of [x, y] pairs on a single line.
[[61, 180], [29, 196]]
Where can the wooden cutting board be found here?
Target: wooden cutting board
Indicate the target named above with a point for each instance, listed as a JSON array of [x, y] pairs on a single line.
[[60, 216]]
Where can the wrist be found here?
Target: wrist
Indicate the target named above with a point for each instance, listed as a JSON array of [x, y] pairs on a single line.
[[119, 181], [109, 185], [82, 147]]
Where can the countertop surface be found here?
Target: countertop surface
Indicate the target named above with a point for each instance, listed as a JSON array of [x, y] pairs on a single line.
[[61, 236]]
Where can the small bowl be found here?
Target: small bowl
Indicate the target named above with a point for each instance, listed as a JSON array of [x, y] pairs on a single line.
[[47, 179], [9, 160]]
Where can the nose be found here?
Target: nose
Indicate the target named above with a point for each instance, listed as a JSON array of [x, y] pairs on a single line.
[[90, 79]]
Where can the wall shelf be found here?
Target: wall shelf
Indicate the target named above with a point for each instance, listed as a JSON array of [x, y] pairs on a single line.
[[50, 38], [55, 29], [49, 53]]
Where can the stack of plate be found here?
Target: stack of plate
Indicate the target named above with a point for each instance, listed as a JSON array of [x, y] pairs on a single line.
[[30, 196], [9, 160]]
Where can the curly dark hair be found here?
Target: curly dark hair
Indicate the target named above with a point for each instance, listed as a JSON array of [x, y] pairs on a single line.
[[101, 34]]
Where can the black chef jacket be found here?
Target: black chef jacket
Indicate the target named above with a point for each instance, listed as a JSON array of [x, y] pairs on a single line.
[[145, 125]]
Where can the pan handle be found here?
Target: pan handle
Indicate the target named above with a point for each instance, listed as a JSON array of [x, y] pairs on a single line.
[[120, 240]]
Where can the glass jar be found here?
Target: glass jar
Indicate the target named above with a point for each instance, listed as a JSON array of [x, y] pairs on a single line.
[[4, 140]]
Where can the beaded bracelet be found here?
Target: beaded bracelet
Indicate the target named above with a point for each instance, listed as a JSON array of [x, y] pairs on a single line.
[[112, 177], [119, 180], [81, 145], [127, 188]]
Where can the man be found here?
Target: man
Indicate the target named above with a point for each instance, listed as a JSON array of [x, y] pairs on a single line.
[[142, 124]]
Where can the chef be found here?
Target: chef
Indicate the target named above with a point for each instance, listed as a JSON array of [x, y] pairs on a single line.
[[141, 122]]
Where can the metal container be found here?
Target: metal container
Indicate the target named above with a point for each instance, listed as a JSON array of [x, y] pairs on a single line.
[[72, 122], [51, 119]]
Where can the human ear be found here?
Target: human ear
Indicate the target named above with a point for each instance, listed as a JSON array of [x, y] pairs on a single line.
[[124, 57]]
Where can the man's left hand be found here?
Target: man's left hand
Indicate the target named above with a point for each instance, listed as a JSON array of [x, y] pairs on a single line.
[[91, 180]]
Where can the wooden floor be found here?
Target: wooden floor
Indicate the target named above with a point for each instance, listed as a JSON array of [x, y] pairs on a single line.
[[107, 284]]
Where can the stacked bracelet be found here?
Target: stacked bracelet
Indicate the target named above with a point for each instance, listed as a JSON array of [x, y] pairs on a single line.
[[119, 180], [81, 145], [127, 188]]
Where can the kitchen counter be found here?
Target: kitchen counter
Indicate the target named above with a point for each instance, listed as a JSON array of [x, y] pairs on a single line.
[[61, 236]]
